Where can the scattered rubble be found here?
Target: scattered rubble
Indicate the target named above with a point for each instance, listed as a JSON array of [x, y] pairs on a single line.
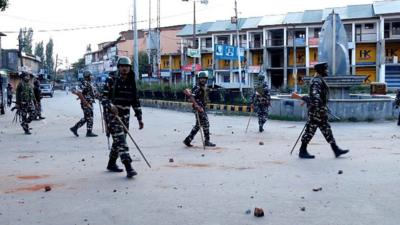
[[258, 212], [248, 211], [47, 188], [303, 209], [261, 143], [171, 160], [340, 172], [317, 189]]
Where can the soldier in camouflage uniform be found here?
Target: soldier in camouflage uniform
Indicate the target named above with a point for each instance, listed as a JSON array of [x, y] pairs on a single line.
[[118, 96], [397, 103], [199, 99], [38, 97], [261, 101], [9, 94], [88, 94], [318, 113], [25, 102]]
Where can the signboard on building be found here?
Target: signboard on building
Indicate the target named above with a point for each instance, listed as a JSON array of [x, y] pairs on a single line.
[[227, 52], [366, 54], [165, 74], [191, 67], [193, 52], [253, 69], [313, 41]]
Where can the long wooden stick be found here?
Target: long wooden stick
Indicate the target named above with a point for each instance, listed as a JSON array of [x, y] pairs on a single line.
[[127, 131], [248, 123], [201, 130]]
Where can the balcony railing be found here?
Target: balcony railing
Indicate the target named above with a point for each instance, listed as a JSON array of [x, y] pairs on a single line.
[[297, 42], [274, 42], [366, 37], [255, 44]]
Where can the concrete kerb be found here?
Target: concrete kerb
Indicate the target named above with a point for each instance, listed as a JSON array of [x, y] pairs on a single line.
[[292, 110]]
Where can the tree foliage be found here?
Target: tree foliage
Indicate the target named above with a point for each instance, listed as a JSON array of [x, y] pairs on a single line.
[[39, 51], [143, 63], [3, 4], [49, 57], [25, 39]]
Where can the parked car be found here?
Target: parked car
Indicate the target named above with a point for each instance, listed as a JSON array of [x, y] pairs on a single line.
[[47, 90]]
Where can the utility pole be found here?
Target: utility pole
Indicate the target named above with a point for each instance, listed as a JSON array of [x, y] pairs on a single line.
[[158, 42], [238, 50], [135, 43]]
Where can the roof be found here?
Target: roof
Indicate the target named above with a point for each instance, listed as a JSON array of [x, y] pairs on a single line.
[[386, 7], [2, 34], [350, 12]]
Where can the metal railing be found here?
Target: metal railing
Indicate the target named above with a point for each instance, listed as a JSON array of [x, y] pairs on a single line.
[[274, 42]]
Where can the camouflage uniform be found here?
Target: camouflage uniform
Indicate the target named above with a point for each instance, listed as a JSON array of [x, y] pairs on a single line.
[[26, 101], [88, 93], [200, 98], [38, 96], [397, 103], [318, 113], [9, 95], [122, 94], [261, 99], [200, 95]]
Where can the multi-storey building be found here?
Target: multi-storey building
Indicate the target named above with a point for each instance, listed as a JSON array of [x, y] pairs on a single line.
[[280, 44]]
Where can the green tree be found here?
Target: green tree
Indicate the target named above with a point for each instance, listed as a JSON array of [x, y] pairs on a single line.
[[49, 61], [39, 51], [88, 48], [3, 5], [78, 66], [25, 40], [143, 63]]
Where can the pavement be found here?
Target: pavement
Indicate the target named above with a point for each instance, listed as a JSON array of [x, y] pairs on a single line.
[[218, 186]]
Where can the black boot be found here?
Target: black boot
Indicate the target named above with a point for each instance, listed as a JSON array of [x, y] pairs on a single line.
[[338, 151], [112, 166], [187, 142], [304, 153], [74, 130], [207, 143], [130, 172], [260, 128], [27, 132], [42, 118], [89, 133]]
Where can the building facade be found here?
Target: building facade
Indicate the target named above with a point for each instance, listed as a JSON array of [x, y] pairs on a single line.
[[280, 45]]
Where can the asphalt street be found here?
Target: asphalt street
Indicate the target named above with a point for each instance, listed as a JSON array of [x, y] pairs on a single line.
[[214, 187]]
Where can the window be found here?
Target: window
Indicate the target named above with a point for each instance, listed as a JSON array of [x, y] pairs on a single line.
[[208, 42], [396, 28], [317, 32], [369, 26]]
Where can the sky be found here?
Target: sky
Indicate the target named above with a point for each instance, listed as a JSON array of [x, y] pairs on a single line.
[[70, 45]]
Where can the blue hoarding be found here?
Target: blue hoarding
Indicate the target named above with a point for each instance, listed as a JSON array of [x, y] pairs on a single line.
[[226, 52]]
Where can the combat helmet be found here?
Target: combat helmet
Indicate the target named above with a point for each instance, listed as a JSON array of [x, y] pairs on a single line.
[[123, 60]]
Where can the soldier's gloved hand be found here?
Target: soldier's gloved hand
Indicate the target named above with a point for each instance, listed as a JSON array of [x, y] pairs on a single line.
[[113, 109], [141, 124]]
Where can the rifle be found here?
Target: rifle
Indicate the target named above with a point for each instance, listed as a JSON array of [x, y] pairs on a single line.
[[82, 98], [306, 100]]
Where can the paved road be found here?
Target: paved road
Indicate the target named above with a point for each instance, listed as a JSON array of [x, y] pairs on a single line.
[[216, 186]]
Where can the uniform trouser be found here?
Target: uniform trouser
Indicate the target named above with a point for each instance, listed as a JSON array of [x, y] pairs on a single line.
[[320, 122], [38, 109], [87, 118], [27, 113], [9, 100], [262, 112], [119, 146], [205, 124], [398, 120]]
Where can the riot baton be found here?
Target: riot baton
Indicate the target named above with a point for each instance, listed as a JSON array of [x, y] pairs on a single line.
[[102, 120], [127, 131], [248, 123], [201, 129], [301, 133]]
